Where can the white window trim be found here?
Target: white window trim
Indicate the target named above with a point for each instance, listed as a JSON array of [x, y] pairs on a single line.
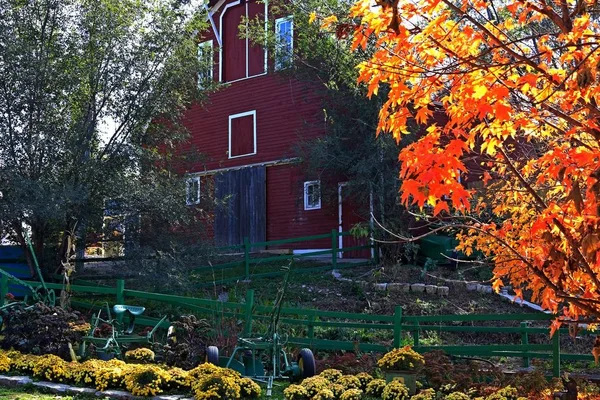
[[227, 6], [188, 186], [244, 114], [306, 205], [279, 21], [209, 45]]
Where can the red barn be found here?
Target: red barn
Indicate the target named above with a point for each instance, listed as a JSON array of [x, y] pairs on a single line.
[[246, 133]]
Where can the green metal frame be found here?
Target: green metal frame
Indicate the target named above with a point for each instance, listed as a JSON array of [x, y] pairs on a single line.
[[121, 334], [252, 351]]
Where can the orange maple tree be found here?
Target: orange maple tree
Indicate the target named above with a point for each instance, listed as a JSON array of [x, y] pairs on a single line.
[[519, 84]]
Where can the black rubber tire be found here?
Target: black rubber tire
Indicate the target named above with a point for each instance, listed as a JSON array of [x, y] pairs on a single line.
[[306, 362], [212, 355]]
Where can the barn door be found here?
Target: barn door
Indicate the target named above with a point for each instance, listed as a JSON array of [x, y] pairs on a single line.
[[242, 206], [350, 213]]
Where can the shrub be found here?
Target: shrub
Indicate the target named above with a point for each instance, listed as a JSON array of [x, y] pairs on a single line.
[[147, 380], [187, 347], [427, 394], [112, 375], [364, 379], [331, 374], [351, 394], [402, 359], [457, 396], [375, 387], [324, 394], [395, 390], [5, 363], [41, 329], [249, 388], [337, 390], [295, 392], [51, 368], [506, 393], [349, 382], [349, 363], [216, 386], [179, 379], [141, 355], [314, 384], [23, 363]]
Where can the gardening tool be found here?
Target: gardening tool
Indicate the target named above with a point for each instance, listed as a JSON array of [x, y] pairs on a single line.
[[263, 358]]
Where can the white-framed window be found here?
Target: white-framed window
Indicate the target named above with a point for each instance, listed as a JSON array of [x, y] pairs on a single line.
[[312, 195], [242, 134], [206, 61], [192, 190], [284, 42]]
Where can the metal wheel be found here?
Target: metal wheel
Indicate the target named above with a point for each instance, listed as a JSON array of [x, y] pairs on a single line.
[[306, 363]]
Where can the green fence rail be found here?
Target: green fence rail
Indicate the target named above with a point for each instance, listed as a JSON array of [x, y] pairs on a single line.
[[245, 250], [398, 325], [246, 262]]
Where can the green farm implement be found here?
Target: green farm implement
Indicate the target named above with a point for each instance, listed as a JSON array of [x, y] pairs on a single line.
[[119, 333], [263, 358]]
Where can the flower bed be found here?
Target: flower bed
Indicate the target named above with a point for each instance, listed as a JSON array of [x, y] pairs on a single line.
[[209, 382], [206, 382]]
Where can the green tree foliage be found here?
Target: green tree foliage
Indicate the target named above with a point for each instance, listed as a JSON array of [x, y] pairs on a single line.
[[349, 151], [91, 98]]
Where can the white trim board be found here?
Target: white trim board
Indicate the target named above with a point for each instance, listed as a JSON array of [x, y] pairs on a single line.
[[274, 163], [241, 115]]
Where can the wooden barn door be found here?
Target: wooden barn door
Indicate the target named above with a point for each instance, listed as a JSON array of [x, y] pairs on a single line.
[[242, 206], [349, 214]]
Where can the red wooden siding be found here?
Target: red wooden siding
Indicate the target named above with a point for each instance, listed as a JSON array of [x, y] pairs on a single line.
[[287, 111], [286, 217]]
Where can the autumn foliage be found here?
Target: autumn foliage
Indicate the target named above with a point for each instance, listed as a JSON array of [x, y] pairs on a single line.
[[519, 84]]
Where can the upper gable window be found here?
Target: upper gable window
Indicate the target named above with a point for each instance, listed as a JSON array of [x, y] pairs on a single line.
[[239, 57], [206, 61], [242, 134], [192, 191], [284, 42]]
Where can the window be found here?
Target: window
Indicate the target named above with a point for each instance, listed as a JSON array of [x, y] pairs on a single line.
[[312, 195], [192, 191], [206, 61], [242, 134], [239, 57], [284, 37]]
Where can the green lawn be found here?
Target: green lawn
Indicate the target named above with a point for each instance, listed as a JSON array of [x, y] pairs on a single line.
[[30, 394]]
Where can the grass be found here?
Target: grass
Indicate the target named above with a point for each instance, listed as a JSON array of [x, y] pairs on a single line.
[[29, 393]]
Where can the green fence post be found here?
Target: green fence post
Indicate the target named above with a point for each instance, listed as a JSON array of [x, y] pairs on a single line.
[[334, 248], [556, 354], [247, 258], [3, 288], [524, 341], [120, 296], [416, 336], [249, 306], [311, 327], [397, 326]]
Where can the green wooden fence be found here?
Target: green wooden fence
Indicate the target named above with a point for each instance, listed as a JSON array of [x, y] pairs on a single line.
[[396, 324], [244, 250], [246, 262]]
